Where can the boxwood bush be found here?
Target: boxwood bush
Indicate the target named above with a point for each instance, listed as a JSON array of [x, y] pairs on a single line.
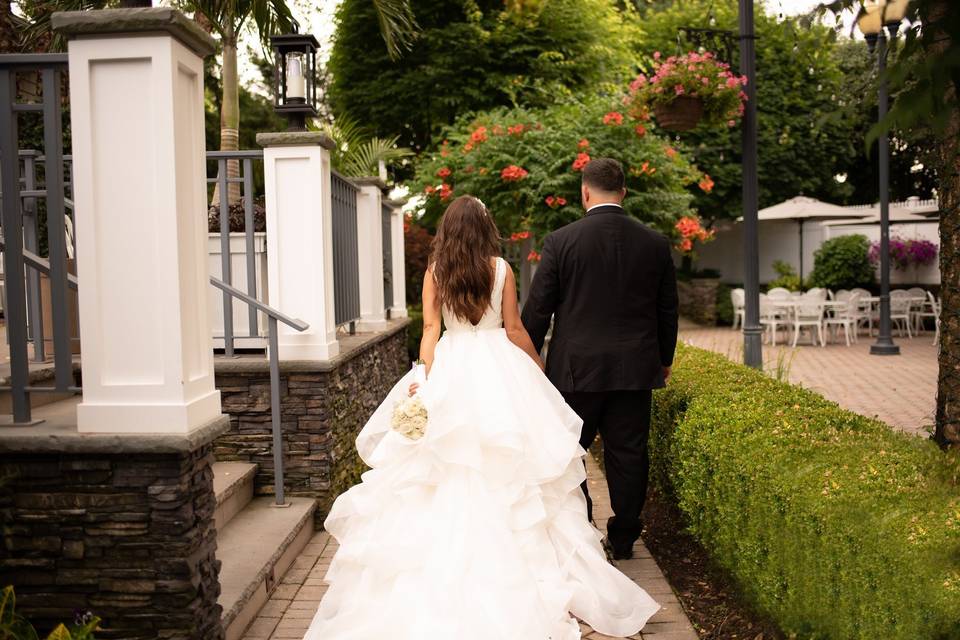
[[832, 523]]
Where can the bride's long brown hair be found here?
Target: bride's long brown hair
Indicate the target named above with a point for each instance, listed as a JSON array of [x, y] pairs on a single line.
[[466, 240]]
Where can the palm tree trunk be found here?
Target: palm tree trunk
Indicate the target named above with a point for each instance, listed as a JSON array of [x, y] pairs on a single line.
[[947, 155], [229, 115]]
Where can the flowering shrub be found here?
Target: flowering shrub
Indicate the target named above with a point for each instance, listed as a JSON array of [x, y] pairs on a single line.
[[695, 75], [525, 165], [904, 253]]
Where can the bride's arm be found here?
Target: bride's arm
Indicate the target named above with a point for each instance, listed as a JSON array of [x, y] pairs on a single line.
[[431, 319], [511, 320]]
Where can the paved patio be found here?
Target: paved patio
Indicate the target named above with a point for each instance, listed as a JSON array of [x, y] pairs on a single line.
[[900, 390], [291, 608]]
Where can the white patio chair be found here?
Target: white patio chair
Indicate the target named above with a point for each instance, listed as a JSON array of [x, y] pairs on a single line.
[[772, 317], [808, 313], [866, 308], [900, 305], [779, 292], [938, 309], [846, 316], [817, 292], [918, 299], [929, 309], [842, 295], [739, 300]]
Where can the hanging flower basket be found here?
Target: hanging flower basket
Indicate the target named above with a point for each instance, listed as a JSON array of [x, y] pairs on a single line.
[[682, 114], [689, 90]]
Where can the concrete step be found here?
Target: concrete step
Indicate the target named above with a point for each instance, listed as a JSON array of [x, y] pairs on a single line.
[[255, 549], [233, 485]]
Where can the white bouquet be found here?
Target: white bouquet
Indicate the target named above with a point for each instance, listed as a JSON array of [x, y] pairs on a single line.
[[410, 416]]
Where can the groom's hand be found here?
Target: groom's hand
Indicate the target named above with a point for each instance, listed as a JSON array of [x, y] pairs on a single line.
[[666, 373]]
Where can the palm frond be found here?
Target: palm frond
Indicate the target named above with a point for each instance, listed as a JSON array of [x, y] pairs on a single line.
[[365, 159], [398, 25]]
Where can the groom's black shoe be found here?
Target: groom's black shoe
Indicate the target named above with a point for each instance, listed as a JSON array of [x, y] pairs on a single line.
[[622, 552]]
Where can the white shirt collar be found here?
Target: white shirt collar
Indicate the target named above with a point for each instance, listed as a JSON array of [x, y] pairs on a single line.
[[604, 204]]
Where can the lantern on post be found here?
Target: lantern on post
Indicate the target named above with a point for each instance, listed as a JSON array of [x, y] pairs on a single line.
[[294, 77]]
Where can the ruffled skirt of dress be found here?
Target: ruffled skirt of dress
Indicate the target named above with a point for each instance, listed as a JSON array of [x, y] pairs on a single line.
[[478, 530]]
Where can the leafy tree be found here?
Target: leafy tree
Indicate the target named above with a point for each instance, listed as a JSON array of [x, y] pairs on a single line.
[[228, 18], [925, 77], [525, 165], [810, 122], [472, 55]]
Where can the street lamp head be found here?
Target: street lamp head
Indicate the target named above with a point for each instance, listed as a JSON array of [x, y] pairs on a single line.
[[870, 20], [294, 77], [894, 11]]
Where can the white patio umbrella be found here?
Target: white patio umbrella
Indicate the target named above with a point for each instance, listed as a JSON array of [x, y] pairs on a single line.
[[802, 208]]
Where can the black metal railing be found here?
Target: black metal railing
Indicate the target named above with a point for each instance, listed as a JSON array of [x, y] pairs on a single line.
[[386, 216], [220, 160], [517, 253], [276, 423], [346, 258], [23, 189]]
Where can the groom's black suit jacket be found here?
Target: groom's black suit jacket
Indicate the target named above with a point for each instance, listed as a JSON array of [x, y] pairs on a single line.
[[609, 282]]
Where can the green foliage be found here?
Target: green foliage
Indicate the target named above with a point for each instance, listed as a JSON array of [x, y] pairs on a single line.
[[810, 125], [357, 154], [541, 152], [832, 524], [786, 277], [843, 263], [473, 55], [13, 626]]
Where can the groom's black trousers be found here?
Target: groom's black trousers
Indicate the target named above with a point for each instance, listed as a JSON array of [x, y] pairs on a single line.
[[622, 418]]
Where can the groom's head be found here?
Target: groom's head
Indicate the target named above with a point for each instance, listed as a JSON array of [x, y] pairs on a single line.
[[602, 183]]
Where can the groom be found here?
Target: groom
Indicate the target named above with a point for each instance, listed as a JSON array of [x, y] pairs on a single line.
[[609, 284]]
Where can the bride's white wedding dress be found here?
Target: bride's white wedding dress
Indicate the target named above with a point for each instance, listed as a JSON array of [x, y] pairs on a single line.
[[478, 530]]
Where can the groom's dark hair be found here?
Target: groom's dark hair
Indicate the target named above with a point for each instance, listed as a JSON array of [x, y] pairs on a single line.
[[604, 174]]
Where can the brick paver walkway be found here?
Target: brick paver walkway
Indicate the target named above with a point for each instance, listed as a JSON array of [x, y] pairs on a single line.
[[292, 606], [900, 390]]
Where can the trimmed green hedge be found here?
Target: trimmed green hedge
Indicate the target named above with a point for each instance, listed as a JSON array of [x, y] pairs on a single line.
[[832, 523]]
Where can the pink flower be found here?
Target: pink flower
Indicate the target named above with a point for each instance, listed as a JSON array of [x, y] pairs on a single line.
[[583, 144], [705, 81], [656, 55], [581, 161], [731, 123], [678, 90]]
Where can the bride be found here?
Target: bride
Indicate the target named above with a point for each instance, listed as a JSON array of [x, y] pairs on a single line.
[[478, 530]]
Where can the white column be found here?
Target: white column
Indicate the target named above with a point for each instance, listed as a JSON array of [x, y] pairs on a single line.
[[136, 97], [370, 245], [399, 308], [300, 240]]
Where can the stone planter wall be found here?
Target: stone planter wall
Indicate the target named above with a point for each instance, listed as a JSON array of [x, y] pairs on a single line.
[[698, 299], [121, 526], [324, 405]]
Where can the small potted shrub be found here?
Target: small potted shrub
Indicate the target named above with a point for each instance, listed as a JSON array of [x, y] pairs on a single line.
[[688, 90]]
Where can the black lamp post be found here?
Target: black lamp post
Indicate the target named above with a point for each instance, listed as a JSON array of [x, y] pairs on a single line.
[[872, 21], [752, 330], [294, 77]]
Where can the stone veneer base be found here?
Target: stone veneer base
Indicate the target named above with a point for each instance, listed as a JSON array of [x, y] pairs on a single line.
[[121, 526], [324, 404]]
